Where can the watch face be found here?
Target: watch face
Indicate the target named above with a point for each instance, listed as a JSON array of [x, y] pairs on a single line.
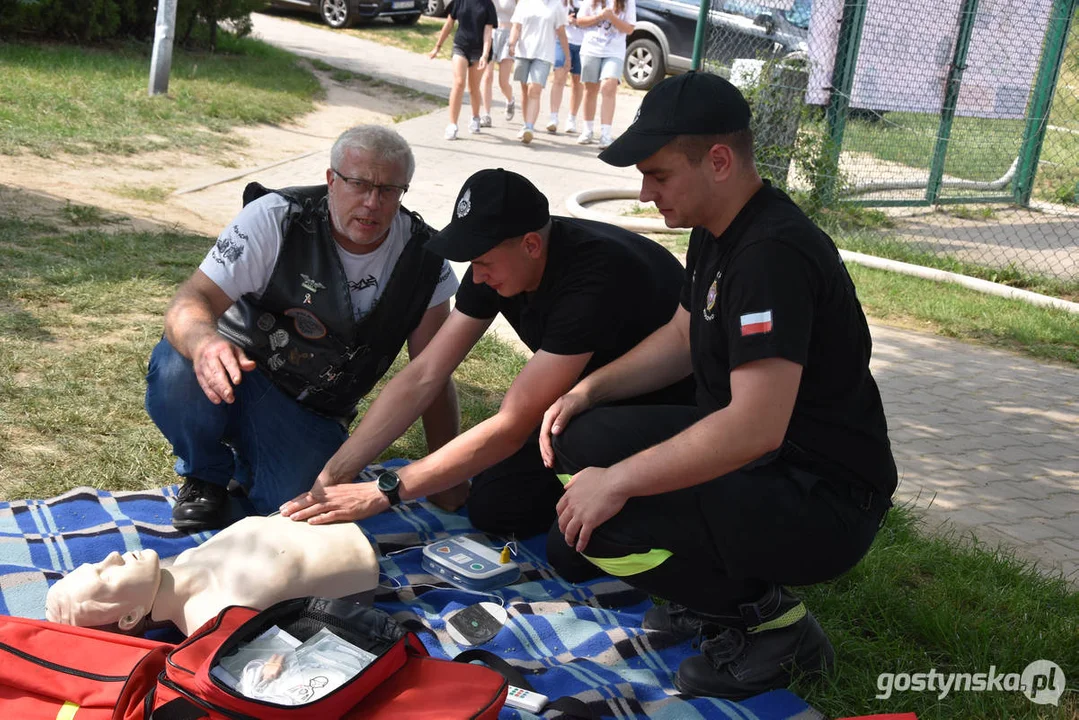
[[388, 481]]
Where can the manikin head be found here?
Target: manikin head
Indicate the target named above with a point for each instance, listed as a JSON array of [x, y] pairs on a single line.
[[118, 590], [370, 169], [502, 225]]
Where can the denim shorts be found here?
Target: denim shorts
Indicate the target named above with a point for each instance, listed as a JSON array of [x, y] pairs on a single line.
[[574, 58], [500, 45], [531, 70], [594, 69]]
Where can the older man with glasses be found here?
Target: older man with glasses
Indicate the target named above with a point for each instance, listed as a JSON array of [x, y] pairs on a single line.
[[293, 316]]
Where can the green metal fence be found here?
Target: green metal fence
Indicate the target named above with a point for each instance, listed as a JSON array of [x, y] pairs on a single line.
[[957, 120]]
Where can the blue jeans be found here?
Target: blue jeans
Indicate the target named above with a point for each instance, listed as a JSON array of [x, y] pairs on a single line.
[[264, 439]]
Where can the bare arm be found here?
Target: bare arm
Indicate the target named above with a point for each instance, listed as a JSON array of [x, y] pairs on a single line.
[[191, 328], [619, 24], [544, 378], [562, 38], [442, 419], [754, 423], [515, 35], [445, 33], [405, 397]]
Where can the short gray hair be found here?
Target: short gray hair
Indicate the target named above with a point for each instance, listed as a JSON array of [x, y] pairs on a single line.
[[385, 143]]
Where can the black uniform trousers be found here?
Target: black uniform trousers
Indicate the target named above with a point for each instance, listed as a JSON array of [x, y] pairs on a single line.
[[729, 538]]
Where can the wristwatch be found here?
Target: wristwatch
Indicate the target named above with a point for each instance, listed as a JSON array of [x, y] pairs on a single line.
[[390, 485]]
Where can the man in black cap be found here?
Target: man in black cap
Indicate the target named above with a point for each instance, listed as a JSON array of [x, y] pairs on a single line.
[[783, 472], [578, 293]]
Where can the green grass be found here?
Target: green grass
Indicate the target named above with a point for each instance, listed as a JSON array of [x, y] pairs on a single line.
[[918, 602], [146, 193], [80, 312], [69, 99]]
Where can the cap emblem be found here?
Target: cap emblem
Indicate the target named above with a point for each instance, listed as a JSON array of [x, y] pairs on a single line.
[[464, 205]]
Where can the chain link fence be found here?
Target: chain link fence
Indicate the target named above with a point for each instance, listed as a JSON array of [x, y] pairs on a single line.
[[941, 132]]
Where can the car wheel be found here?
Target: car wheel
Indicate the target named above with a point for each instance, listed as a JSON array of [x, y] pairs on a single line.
[[406, 19], [436, 8], [644, 65], [336, 13]]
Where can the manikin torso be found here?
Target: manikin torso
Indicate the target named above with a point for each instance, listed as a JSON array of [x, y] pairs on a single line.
[[260, 561]]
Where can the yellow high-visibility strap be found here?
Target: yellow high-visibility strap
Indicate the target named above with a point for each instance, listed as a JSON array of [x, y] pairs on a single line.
[[67, 712]]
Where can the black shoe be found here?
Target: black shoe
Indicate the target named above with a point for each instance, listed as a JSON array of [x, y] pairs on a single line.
[[781, 640], [200, 505], [680, 621]]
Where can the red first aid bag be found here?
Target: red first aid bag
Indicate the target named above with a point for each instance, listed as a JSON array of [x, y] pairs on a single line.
[[50, 671], [402, 682]]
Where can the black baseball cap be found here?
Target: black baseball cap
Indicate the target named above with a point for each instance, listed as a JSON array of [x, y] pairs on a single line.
[[493, 205], [694, 103]]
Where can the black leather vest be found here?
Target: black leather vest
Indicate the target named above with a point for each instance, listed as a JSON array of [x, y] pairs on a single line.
[[302, 331]]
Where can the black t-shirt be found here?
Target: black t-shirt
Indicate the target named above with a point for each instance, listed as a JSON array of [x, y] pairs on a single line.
[[774, 285], [604, 289], [472, 16]]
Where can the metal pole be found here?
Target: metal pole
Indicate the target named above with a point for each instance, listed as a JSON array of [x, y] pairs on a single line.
[[698, 37], [1041, 101], [161, 60], [951, 98], [846, 58]]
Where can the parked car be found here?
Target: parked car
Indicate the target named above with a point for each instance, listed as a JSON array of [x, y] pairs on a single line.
[[662, 41], [345, 13], [437, 8]]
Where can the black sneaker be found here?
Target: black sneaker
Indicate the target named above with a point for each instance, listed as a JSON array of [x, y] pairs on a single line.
[[680, 621], [200, 505], [738, 663]]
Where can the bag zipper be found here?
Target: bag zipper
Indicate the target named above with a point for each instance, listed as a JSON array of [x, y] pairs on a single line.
[[63, 668], [205, 704]]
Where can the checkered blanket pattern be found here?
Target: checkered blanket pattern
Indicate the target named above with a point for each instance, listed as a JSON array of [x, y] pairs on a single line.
[[581, 640]]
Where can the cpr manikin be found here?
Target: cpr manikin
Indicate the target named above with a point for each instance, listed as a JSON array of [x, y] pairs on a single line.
[[255, 562]]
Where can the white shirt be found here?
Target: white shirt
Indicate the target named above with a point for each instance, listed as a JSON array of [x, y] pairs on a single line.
[[243, 259], [573, 33], [604, 39], [504, 10], [539, 20]]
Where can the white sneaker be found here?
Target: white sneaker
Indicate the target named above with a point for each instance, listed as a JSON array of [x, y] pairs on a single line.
[[552, 125], [605, 141], [526, 135], [571, 127], [474, 125], [451, 132], [585, 138], [485, 121], [511, 106]]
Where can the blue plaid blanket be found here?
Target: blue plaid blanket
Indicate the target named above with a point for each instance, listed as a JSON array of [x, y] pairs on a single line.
[[581, 640]]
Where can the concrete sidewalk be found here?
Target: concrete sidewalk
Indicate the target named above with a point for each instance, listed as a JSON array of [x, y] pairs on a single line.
[[988, 441]]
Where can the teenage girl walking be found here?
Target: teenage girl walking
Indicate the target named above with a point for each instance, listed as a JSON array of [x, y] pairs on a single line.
[[471, 46], [603, 51]]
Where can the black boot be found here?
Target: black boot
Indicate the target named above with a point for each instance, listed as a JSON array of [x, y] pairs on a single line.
[[778, 640], [200, 505], [683, 623]]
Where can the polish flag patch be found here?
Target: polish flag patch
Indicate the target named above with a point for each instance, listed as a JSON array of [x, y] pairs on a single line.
[[756, 323]]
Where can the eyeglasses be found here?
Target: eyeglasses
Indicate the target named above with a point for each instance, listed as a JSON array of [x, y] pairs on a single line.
[[364, 188]]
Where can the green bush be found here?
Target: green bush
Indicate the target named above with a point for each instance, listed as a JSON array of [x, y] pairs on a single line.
[[89, 21]]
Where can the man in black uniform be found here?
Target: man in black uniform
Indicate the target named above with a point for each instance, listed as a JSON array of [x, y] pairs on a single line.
[[578, 293], [783, 471]]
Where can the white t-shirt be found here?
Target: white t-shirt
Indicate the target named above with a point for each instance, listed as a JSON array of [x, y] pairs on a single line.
[[539, 20], [243, 259], [604, 39], [573, 33], [504, 10]]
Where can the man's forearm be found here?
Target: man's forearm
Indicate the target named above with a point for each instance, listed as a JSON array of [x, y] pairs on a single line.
[[484, 445], [442, 419], [189, 321], [659, 360], [393, 411]]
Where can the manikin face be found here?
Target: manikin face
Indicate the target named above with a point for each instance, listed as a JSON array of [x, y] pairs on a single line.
[[119, 589], [681, 190], [361, 219], [507, 268]]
